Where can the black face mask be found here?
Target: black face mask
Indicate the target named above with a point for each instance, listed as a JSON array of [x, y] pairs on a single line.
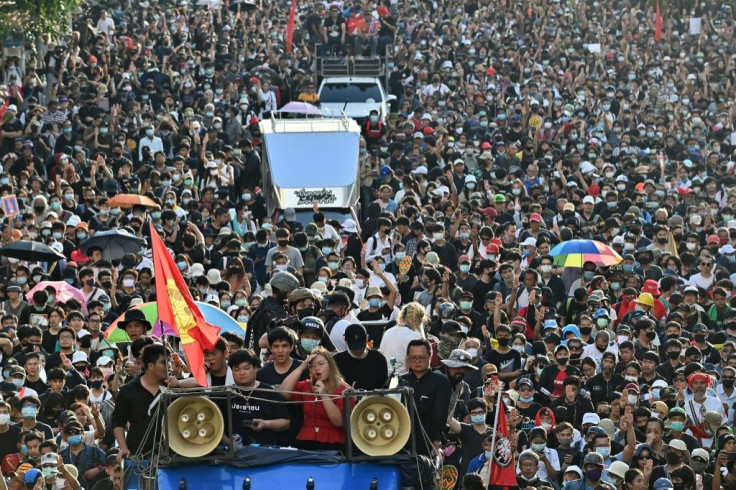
[[651, 335], [586, 330], [562, 361], [673, 336], [601, 349], [646, 261], [662, 241], [283, 243], [699, 338], [673, 355], [90, 282], [673, 458], [503, 342], [727, 383], [305, 312]]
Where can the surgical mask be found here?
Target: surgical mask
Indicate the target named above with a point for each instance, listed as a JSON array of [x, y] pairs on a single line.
[[466, 305], [677, 426], [588, 275], [128, 283], [374, 303], [518, 348], [326, 250], [243, 318], [4, 418], [615, 286], [239, 302], [526, 399], [438, 236], [464, 268], [75, 440], [333, 265], [24, 450], [478, 419], [28, 412], [602, 322], [604, 451], [309, 344], [565, 441], [632, 379], [49, 472], [400, 255], [632, 399], [488, 455], [546, 268], [17, 382], [538, 448]]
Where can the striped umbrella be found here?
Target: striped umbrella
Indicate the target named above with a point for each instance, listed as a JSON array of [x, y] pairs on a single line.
[[574, 253]]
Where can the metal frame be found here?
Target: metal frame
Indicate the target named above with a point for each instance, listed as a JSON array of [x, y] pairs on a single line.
[[407, 399]]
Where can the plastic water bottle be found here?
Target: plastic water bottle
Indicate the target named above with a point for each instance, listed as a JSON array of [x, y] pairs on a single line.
[[374, 484], [246, 483], [310, 483], [183, 484]]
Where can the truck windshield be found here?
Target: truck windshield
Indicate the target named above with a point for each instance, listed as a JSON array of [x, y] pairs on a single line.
[[353, 92]]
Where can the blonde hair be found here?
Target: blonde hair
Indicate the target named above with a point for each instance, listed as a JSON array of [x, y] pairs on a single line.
[[335, 380], [413, 315]]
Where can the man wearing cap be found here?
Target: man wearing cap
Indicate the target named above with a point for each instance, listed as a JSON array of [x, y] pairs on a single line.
[[593, 467], [677, 421], [709, 353], [363, 368]]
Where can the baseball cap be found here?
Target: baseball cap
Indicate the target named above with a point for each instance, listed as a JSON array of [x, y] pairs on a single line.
[[356, 336], [594, 459]]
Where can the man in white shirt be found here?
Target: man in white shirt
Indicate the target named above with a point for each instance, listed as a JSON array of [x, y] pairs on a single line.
[[150, 141], [705, 278], [336, 322], [105, 24], [701, 403]]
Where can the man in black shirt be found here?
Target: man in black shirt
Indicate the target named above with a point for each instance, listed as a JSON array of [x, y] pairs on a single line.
[[281, 342], [431, 394], [259, 412], [362, 368], [334, 30], [507, 360], [9, 434], [603, 384], [134, 400]]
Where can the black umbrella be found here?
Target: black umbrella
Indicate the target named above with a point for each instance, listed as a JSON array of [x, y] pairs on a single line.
[[114, 244], [31, 251]]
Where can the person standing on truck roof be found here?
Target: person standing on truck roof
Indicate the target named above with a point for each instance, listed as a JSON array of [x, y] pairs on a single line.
[[314, 24], [352, 27], [388, 28], [333, 31], [373, 129]]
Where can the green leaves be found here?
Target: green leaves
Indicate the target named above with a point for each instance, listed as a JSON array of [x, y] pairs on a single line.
[[31, 18]]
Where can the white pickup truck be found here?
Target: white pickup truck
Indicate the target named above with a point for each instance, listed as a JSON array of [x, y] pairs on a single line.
[[353, 86]]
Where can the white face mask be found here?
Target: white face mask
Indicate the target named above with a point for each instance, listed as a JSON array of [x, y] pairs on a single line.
[[60, 483], [632, 399], [622, 338], [4, 418]]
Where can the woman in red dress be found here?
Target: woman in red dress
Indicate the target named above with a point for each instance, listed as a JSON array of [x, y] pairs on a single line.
[[322, 401]]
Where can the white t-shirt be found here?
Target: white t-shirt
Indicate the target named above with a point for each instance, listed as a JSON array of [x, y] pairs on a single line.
[[553, 459], [393, 345], [337, 335]]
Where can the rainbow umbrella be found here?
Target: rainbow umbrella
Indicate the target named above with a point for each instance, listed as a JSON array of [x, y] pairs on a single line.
[[211, 313], [574, 253]]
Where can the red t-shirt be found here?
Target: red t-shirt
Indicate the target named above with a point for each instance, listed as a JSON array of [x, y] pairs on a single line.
[[317, 425], [558, 388]]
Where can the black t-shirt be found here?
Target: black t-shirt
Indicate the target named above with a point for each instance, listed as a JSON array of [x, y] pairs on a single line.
[[334, 29], [268, 375], [262, 403], [506, 363], [369, 373], [528, 416], [218, 380], [385, 31], [382, 313], [8, 441]]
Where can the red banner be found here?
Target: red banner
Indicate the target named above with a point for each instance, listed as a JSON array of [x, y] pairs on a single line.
[[658, 25], [290, 26], [503, 471]]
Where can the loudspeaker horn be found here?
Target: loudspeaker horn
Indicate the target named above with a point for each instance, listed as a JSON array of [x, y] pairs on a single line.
[[195, 426], [380, 426]]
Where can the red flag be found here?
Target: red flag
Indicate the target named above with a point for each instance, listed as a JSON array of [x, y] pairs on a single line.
[[290, 26], [658, 25], [503, 471], [177, 308]]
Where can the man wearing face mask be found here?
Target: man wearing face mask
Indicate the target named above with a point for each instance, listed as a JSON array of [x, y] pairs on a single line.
[[602, 385], [553, 376], [593, 467], [699, 460], [726, 392], [89, 460], [271, 308]]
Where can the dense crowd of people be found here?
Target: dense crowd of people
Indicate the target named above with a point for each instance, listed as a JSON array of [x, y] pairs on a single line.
[[518, 126]]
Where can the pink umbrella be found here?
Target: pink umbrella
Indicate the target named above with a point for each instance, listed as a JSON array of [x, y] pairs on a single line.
[[64, 292], [301, 108]]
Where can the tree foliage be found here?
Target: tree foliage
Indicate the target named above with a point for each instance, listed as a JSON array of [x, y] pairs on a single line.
[[30, 18]]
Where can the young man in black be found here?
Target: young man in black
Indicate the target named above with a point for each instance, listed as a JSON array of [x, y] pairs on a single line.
[[258, 413]]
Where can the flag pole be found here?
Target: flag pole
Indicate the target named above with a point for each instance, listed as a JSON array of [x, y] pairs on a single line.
[[495, 431]]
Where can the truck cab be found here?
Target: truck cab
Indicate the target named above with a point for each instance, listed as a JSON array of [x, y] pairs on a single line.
[[353, 86]]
